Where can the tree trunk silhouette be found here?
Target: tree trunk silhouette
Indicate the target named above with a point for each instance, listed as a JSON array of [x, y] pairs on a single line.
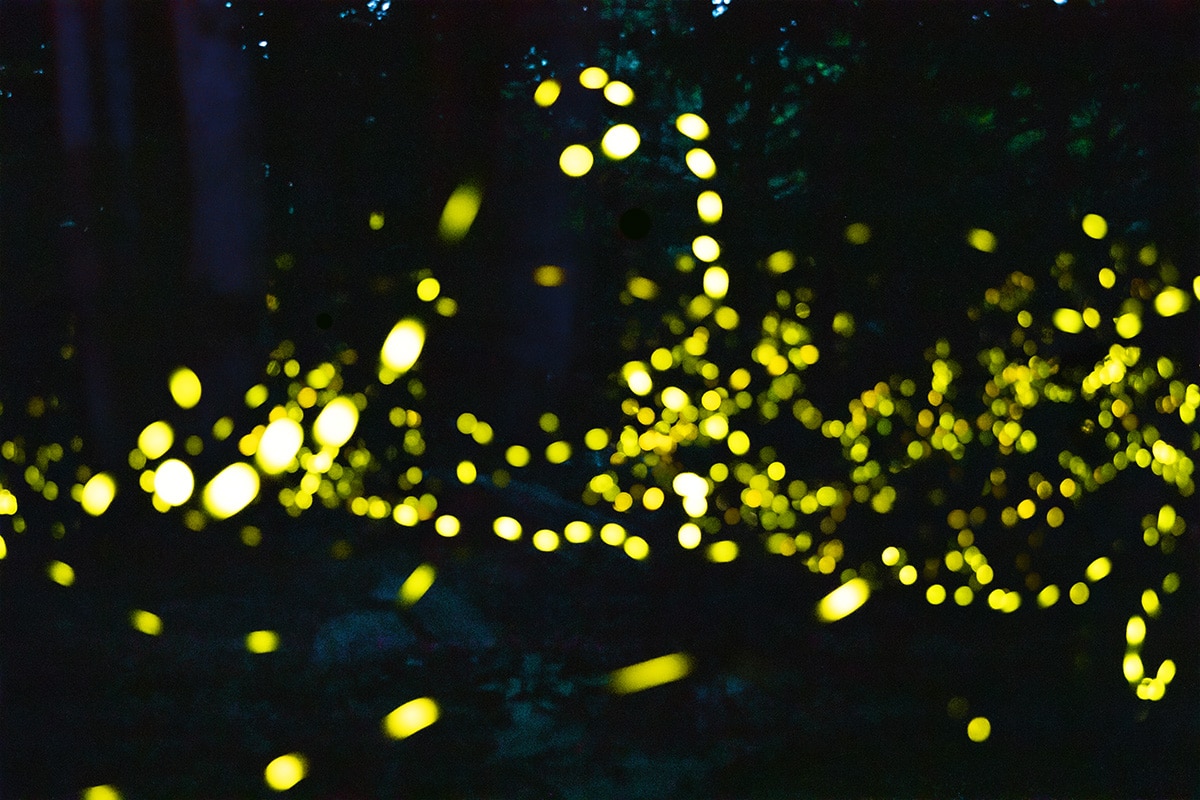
[[141, 304]]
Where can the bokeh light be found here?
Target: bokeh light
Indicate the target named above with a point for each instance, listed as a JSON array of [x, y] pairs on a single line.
[[411, 717], [576, 160], [692, 126], [285, 771], [185, 387]]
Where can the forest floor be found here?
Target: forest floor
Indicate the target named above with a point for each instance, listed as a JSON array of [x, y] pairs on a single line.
[[516, 646]]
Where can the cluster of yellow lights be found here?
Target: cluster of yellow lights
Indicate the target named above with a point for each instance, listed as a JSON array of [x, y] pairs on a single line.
[[665, 417], [683, 394]]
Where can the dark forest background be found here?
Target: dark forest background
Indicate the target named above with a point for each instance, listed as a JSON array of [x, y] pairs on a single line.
[[191, 184]]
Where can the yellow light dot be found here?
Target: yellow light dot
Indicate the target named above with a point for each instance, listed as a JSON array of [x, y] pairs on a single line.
[[637, 378], [336, 423], [648, 674], [576, 160], [185, 387], [596, 439], [446, 525], [483, 433], [612, 534], [781, 261], [936, 594], [701, 163], [692, 126], [460, 212], [416, 585], [1098, 569], [710, 207], [827, 496], [674, 398], [146, 622], [642, 288], [231, 490], [61, 573], [593, 78], [410, 718], [375, 221], [907, 575], [549, 275], [1079, 593], [286, 771], [507, 528], [1166, 517], [466, 472], [558, 452], [618, 93], [547, 92], [1132, 667], [577, 532], [545, 540], [858, 233], [1128, 325], [739, 443], [1068, 320], [653, 498], [102, 792], [963, 595], [979, 729], [1095, 226], [1171, 301], [722, 552], [620, 141], [636, 548], [173, 482], [428, 289], [278, 445], [716, 282], [890, 556], [97, 495], [1048, 596], [1135, 631], [844, 600], [517, 455], [402, 347], [706, 248], [689, 535], [156, 439], [256, 396], [260, 642], [982, 240], [1151, 603]]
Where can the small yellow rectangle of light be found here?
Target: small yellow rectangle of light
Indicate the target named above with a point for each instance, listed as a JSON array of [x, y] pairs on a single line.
[[410, 718], [648, 674], [415, 585], [844, 600], [146, 622], [262, 641], [459, 212]]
